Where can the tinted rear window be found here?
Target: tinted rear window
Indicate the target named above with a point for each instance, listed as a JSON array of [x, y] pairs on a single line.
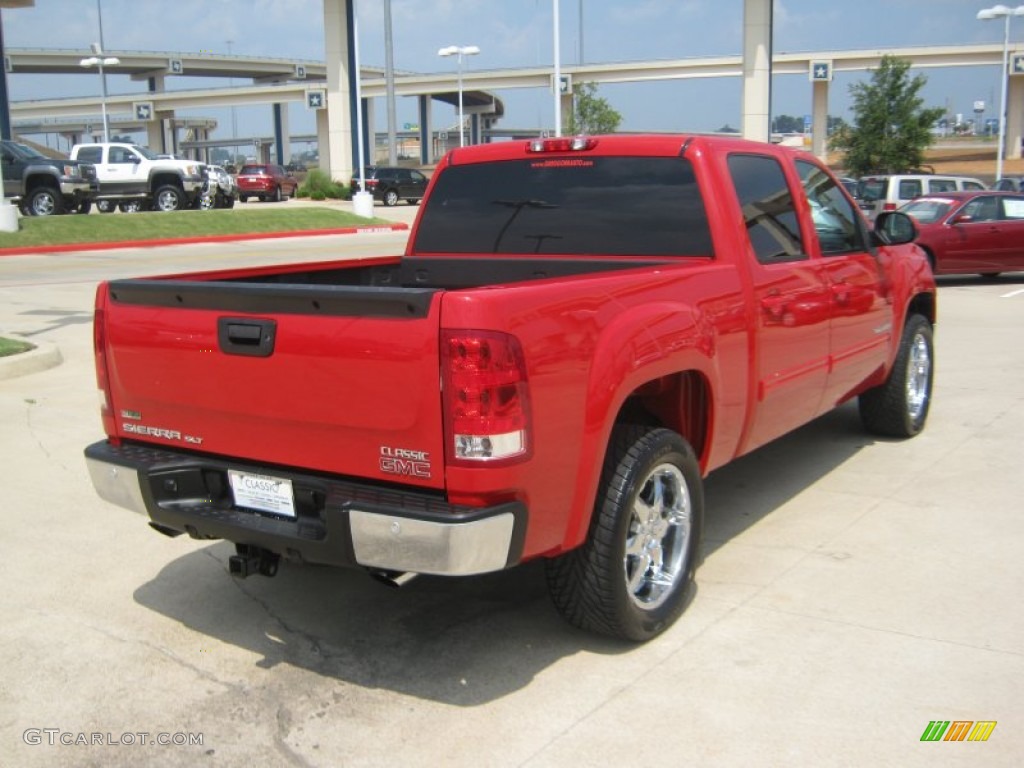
[[252, 170], [619, 206]]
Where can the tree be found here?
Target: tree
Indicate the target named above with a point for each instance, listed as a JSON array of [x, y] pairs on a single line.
[[591, 114], [891, 127], [788, 124]]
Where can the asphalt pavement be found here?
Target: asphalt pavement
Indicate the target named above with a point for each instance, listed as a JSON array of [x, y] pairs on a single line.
[[854, 592]]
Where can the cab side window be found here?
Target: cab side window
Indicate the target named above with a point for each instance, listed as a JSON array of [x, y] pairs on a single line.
[[768, 208], [120, 155], [90, 154], [982, 209], [942, 185], [909, 188], [834, 219]]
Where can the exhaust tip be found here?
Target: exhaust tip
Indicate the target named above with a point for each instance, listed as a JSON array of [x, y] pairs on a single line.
[[393, 579]]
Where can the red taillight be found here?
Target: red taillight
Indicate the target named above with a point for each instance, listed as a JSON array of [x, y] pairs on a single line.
[[572, 144], [99, 344], [888, 206], [371, 183], [486, 398]]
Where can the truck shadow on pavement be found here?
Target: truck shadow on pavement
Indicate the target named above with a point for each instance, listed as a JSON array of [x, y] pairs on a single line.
[[465, 641]]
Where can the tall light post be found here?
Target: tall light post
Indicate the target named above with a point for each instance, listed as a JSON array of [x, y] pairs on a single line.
[[101, 61], [460, 51], [988, 14]]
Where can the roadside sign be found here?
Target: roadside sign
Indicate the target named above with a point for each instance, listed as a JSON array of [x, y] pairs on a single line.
[[316, 99], [1017, 64], [143, 110], [175, 67], [821, 71]]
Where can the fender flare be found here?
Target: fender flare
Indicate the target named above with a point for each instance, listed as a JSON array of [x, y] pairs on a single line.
[[641, 345]]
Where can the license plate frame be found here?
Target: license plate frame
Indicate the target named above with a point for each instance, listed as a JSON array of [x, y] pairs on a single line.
[[264, 493]]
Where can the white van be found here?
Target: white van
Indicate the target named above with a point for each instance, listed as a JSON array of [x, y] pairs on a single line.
[[888, 192]]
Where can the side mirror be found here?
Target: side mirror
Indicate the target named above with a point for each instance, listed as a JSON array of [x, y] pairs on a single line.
[[894, 228], [963, 218]]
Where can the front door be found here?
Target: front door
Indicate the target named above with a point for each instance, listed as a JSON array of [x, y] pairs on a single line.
[[860, 312]]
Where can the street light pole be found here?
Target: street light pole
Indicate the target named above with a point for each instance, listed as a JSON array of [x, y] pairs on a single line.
[[460, 51], [100, 61], [988, 14]]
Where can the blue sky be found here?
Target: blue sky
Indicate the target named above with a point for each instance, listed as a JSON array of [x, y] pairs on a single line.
[[513, 33]]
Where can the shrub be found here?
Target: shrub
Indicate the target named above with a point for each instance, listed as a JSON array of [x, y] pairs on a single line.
[[319, 186]]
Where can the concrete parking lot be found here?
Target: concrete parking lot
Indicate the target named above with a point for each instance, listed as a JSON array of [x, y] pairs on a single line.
[[854, 591]]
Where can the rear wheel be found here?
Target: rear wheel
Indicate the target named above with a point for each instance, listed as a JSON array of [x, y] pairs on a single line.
[[391, 198], [168, 198], [243, 198], [633, 575], [106, 206], [899, 407], [130, 206], [85, 206]]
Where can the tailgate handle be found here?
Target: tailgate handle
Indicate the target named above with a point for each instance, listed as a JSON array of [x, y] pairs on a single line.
[[244, 336]]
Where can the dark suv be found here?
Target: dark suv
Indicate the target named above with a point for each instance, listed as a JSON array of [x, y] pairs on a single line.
[[1010, 184], [390, 185]]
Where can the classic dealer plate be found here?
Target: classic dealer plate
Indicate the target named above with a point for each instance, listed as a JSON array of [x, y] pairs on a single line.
[[262, 492]]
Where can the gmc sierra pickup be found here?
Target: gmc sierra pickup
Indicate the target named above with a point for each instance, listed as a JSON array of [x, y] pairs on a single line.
[[578, 332]]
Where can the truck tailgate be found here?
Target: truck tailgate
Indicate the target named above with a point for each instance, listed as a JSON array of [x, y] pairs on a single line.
[[333, 379]]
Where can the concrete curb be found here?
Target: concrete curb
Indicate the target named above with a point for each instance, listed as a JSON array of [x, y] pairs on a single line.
[[45, 355], [68, 247]]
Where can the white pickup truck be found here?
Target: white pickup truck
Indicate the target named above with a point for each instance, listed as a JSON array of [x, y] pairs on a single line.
[[134, 178]]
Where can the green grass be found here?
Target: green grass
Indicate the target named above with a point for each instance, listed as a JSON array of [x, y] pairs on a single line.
[[116, 227], [13, 346]]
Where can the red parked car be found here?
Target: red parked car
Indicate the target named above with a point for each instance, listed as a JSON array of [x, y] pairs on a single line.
[[971, 232], [267, 182]]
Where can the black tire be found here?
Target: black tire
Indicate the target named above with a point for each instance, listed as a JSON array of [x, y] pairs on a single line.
[[278, 194], [85, 206], [899, 407], [243, 198], [106, 206], [391, 198], [44, 201], [130, 206], [168, 197], [633, 577], [227, 202]]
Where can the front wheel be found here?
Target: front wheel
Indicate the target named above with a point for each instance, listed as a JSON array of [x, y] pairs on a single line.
[[106, 206], [899, 406], [45, 201], [130, 206], [633, 576], [391, 198], [168, 198]]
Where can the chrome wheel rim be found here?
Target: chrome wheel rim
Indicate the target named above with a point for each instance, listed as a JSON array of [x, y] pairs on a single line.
[[919, 367], [168, 201], [43, 205], [658, 537]]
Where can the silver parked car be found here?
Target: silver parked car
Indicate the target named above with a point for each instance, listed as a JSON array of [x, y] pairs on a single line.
[[220, 191]]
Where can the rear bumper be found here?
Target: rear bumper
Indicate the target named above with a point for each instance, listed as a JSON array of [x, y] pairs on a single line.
[[338, 522]]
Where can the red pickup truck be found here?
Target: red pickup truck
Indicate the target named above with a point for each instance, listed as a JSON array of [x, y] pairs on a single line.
[[579, 331]]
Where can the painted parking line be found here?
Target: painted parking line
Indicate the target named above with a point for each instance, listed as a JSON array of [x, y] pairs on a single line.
[[1012, 294]]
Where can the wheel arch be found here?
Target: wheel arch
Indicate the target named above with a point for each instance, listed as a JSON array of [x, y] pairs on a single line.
[[158, 180], [635, 379]]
